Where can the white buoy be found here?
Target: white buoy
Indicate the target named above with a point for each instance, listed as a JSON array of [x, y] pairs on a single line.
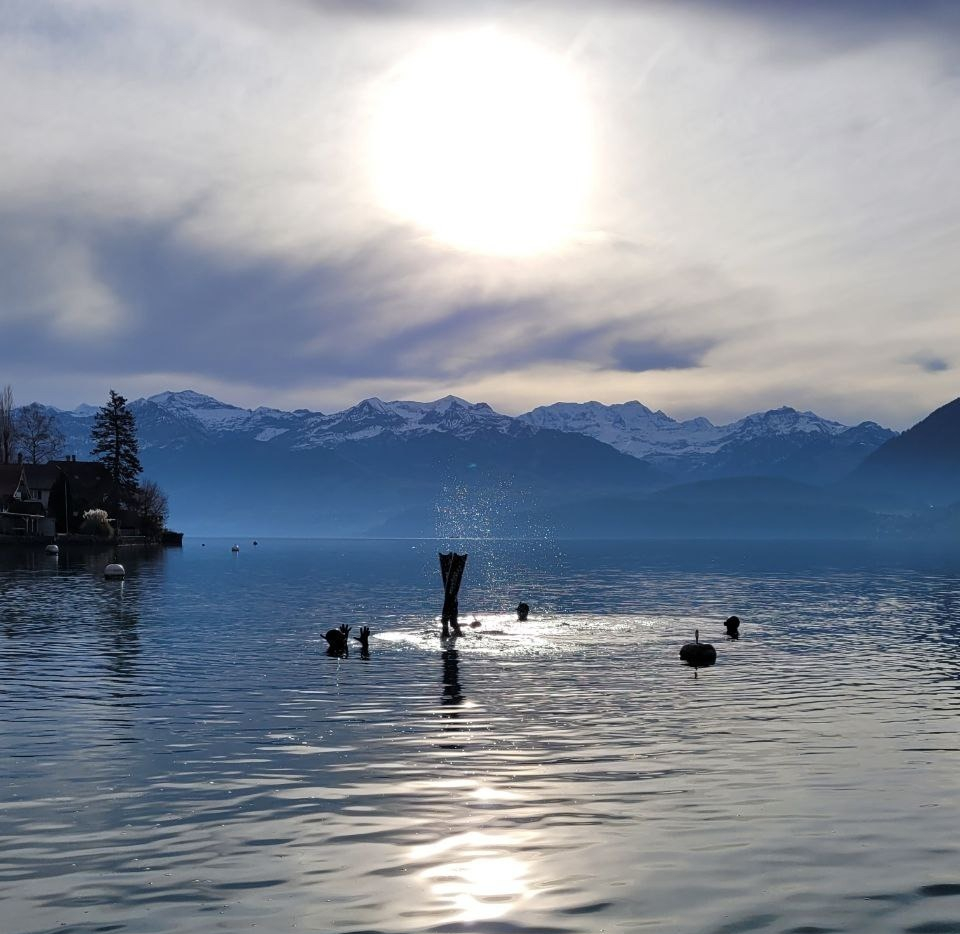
[[114, 572], [235, 548], [52, 550]]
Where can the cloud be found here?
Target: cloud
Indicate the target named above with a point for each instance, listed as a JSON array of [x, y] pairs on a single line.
[[185, 190], [796, 32], [379, 314], [931, 363], [52, 287], [640, 356]]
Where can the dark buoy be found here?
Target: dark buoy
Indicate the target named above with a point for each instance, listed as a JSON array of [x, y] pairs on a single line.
[[255, 542], [523, 611], [733, 627], [114, 572], [697, 653]]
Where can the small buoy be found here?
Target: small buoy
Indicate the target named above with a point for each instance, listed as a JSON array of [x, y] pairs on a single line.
[[52, 550], [114, 572], [733, 627], [697, 653], [235, 548]]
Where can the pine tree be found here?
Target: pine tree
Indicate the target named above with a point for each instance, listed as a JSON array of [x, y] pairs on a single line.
[[115, 445]]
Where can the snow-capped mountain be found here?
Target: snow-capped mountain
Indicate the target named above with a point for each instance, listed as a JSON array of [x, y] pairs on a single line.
[[378, 465], [210, 413], [629, 427], [179, 419], [779, 442], [634, 429], [373, 417], [385, 467]]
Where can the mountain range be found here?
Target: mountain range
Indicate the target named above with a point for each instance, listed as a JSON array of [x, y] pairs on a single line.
[[781, 442], [460, 469]]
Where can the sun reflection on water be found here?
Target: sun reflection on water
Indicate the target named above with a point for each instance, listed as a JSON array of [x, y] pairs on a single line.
[[470, 874]]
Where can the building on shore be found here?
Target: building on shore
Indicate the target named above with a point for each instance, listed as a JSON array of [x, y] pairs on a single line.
[[22, 511]]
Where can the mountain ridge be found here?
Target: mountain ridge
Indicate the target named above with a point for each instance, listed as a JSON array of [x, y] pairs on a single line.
[[630, 427], [407, 467], [635, 429]]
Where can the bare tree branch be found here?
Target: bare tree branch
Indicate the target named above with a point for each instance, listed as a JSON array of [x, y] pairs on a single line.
[[7, 426], [38, 434]]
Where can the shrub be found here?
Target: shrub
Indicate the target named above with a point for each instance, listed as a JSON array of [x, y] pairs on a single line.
[[96, 522]]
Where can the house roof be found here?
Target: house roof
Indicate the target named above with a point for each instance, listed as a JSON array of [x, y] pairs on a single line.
[[9, 478], [88, 480], [42, 476], [89, 471]]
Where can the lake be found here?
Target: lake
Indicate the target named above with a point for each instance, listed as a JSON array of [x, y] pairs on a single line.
[[180, 754]]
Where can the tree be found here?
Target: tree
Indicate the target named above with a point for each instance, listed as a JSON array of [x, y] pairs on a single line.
[[7, 426], [38, 434], [152, 508], [115, 445]]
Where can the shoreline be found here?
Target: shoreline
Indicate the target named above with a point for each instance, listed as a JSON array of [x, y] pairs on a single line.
[[29, 542]]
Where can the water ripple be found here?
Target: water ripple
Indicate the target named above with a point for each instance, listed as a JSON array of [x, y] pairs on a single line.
[[180, 754]]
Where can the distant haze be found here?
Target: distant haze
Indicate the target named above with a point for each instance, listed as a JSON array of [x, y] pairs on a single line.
[[713, 206], [452, 468]]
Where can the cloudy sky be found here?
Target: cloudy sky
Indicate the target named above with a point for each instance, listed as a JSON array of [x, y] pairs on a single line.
[[714, 207]]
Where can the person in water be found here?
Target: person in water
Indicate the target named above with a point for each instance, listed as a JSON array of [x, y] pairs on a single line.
[[449, 620], [338, 644], [523, 610]]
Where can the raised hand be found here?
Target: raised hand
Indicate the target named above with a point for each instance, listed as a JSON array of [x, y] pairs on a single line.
[[364, 636], [345, 629]]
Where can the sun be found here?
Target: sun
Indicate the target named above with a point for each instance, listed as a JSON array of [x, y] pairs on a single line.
[[484, 141]]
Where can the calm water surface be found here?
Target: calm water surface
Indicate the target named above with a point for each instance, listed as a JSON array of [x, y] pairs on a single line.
[[179, 754]]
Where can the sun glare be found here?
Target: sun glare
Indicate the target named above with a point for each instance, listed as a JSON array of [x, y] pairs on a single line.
[[472, 876], [484, 142]]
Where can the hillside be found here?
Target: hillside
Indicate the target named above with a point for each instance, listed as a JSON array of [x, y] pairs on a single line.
[[918, 468]]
